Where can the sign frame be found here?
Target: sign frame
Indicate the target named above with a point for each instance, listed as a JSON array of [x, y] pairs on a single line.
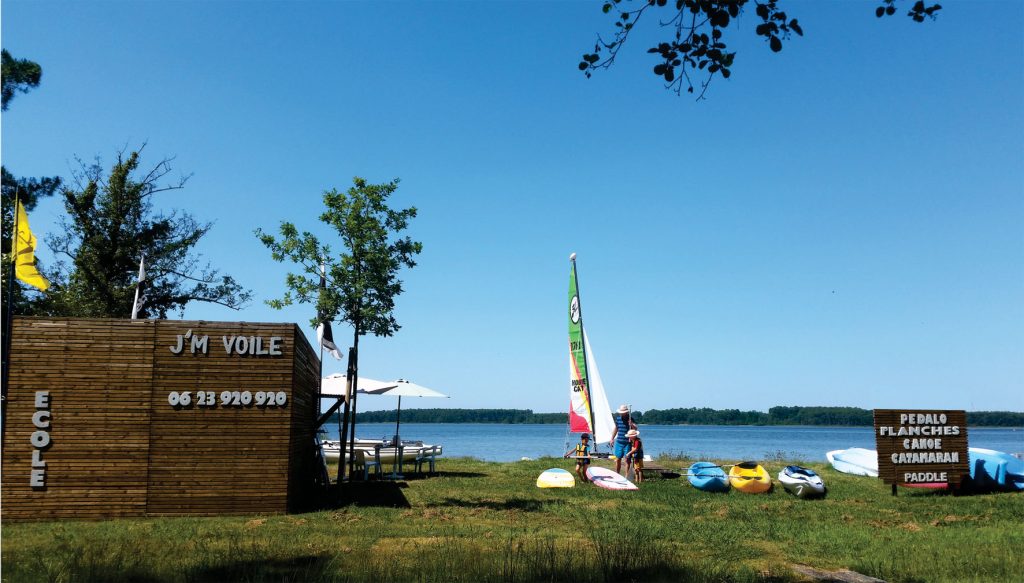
[[922, 447]]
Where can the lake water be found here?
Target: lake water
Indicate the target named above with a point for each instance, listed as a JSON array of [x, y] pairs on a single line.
[[501, 442]]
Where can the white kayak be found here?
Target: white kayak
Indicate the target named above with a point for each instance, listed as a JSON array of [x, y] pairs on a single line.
[[802, 482], [856, 460]]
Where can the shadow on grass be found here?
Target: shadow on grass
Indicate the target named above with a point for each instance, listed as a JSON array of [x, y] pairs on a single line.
[[524, 504], [415, 477], [373, 493], [309, 568], [460, 475]]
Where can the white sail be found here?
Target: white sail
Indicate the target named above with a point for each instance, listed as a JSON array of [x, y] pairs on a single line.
[[604, 424]]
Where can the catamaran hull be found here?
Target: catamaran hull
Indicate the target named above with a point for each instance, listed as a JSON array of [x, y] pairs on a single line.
[[856, 461], [332, 451], [995, 470]]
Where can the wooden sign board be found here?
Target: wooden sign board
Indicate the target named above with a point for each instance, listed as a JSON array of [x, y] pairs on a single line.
[[921, 447], [109, 418]]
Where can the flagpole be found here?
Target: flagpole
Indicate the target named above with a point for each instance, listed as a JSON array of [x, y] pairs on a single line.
[[8, 325], [138, 284], [319, 389], [320, 376]]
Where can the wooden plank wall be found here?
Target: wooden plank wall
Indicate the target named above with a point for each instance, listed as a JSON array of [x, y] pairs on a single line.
[[121, 449], [304, 412], [99, 376], [223, 459]]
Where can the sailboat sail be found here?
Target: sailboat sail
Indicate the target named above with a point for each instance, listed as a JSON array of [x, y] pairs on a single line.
[[588, 405]]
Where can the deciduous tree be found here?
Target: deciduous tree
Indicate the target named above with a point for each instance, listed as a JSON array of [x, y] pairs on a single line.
[[110, 225], [697, 42], [361, 282]]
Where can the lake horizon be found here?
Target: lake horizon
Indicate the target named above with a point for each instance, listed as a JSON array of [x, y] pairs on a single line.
[[504, 442]]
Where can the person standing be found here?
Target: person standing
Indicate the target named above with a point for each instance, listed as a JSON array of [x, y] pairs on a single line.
[[582, 455], [635, 455], [619, 442]]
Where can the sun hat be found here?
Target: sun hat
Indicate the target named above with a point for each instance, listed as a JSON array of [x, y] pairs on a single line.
[[632, 433], [622, 410]]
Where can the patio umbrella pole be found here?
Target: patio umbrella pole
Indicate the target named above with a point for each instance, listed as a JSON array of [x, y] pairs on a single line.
[[398, 439]]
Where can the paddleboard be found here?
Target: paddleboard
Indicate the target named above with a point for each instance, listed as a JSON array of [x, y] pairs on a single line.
[[608, 479], [556, 478], [708, 477]]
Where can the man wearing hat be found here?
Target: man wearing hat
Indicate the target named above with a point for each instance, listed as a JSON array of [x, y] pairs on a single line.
[[619, 442]]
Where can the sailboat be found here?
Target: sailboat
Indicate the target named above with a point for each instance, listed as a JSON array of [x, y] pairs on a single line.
[[589, 411]]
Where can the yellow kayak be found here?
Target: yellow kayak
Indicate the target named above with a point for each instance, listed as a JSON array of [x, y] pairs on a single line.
[[750, 477]]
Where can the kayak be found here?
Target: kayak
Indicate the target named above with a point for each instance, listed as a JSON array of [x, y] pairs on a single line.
[[708, 477], [856, 460], [750, 477], [995, 470], [802, 482]]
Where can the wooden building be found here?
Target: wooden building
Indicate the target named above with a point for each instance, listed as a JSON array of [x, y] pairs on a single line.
[[110, 418]]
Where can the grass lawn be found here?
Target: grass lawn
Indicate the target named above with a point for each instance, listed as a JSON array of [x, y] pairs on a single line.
[[481, 521]]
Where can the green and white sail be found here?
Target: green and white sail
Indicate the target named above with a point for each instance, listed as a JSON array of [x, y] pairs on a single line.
[[588, 405]]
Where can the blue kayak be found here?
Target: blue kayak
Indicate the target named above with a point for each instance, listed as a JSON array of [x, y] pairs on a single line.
[[708, 477], [995, 470]]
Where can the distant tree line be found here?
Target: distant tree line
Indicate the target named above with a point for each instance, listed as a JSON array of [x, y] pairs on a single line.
[[827, 416], [995, 419], [846, 416], [462, 416]]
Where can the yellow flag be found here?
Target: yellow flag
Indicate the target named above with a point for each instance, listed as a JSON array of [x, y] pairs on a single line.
[[25, 252]]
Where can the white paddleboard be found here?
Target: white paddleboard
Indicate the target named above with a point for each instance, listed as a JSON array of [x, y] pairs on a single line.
[[556, 478], [608, 479]]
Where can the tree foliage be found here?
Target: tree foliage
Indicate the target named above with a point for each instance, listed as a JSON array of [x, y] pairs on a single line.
[[827, 416], [819, 416], [463, 416], [362, 281], [698, 32], [19, 75], [29, 191], [110, 225]]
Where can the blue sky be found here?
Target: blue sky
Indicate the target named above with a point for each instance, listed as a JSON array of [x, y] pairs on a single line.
[[841, 223]]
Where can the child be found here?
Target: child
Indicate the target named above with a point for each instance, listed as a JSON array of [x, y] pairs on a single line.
[[635, 455], [582, 454]]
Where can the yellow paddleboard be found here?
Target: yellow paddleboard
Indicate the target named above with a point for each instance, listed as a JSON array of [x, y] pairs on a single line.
[[556, 478]]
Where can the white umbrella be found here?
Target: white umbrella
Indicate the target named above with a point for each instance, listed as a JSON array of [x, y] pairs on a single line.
[[335, 385], [401, 388]]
